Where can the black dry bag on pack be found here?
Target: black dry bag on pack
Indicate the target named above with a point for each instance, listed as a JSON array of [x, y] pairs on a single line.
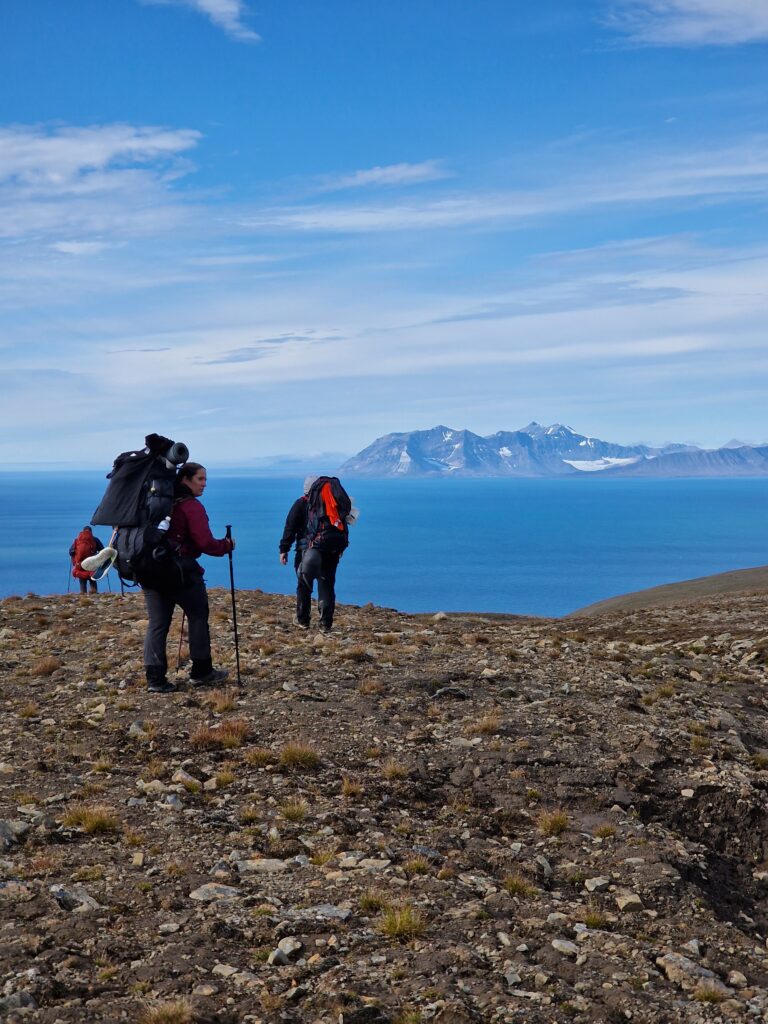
[[328, 506], [138, 498]]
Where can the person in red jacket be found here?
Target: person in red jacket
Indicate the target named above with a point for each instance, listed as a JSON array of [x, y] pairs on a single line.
[[190, 535], [83, 546]]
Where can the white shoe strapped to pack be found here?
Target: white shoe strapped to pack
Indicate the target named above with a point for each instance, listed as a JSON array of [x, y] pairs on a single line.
[[100, 563]]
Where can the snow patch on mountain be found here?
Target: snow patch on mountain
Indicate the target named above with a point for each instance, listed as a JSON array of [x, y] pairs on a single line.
[[595, 465]]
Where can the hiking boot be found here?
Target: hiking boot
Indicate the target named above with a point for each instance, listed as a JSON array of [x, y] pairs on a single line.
[[325, 628], [300, 624], [161, 686], [212, 678]]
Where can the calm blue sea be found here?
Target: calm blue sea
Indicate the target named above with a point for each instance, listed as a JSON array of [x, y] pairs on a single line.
[[540, 547]]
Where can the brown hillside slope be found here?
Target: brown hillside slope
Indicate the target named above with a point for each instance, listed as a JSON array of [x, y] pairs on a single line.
[[452, 819], [737, 582]]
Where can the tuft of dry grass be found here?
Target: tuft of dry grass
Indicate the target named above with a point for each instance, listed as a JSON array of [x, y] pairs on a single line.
[[221, 700], [402, 922], [299, 755], [88, 873], [95, 820], [553, 823], [350, 788], [393, 770], [260, 757], [760, 761], [358, 654], [45, 666], [177, 1012], [369, 687], [177, 869], [30, 710], [294, 810], [249, 815], [321, 857], [416, 866], [227, 735], [605, 831], [373, 901], [225, 776], [516, 884], [709, 994], [700, 745], [594, 918], [488, 725]]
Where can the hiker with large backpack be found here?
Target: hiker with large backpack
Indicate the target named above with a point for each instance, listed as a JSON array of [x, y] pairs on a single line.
[[160, 529], [84, 546], [189, 535], [318, 524]]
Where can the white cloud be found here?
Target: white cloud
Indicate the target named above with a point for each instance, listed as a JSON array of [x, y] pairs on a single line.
[[73, 181], [691, 22], [80, 248], [226, 14], [62, 158], [391, 174], [714, 175]]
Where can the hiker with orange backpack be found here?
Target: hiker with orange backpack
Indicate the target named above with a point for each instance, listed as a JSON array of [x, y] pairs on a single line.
[[318, 524], [83, 546]]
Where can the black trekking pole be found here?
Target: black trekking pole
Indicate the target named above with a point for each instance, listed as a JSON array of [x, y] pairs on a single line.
[[181, 638], [234, 606], [69, 577]]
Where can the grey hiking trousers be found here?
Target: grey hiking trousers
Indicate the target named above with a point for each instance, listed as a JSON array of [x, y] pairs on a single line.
[[193, 599], [320, 566]]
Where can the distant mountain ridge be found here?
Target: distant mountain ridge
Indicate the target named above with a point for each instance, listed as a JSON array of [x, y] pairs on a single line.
[[540, 451]]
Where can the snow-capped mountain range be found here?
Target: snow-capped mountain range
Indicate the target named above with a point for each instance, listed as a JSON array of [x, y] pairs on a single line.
[[539, 451]]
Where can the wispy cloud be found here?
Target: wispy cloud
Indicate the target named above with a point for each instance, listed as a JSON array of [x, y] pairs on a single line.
[[691, 22], [390, 175], [263, 346], [80, 248], [72, 181], [70, 158], [713, 175], [228, 15]]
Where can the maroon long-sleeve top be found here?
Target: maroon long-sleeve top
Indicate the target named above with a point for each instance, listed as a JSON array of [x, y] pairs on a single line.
[[190, 532]]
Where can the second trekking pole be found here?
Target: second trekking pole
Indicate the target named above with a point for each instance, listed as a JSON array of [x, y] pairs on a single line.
[[234, 606]]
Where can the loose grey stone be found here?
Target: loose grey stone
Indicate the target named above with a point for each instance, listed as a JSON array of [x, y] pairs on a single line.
[[224, 970], [565, 946], [687, 974], [450, 691], [11, 832], [74, 899], [17, 1001], [544, 866], [213, 891], [598, 884], [629, 902], [262, 866]]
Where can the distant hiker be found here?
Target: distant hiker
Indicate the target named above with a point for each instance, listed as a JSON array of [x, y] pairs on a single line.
[[83, 546], [190, 536], [318, 524]]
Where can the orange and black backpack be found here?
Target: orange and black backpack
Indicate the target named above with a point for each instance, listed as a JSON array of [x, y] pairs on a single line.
[[328, 506]]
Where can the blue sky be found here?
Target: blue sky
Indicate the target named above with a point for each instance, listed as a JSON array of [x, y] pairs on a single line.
[[290, 227]]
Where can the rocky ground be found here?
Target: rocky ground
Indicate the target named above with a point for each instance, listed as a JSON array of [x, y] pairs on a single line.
[[416, 818]]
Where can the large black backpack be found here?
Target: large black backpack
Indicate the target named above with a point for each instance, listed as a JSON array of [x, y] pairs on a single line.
[[324, 531], [138, 498]]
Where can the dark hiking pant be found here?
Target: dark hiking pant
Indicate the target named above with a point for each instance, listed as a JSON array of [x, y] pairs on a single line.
[[320, 566], [193, 599], [84, 585]]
